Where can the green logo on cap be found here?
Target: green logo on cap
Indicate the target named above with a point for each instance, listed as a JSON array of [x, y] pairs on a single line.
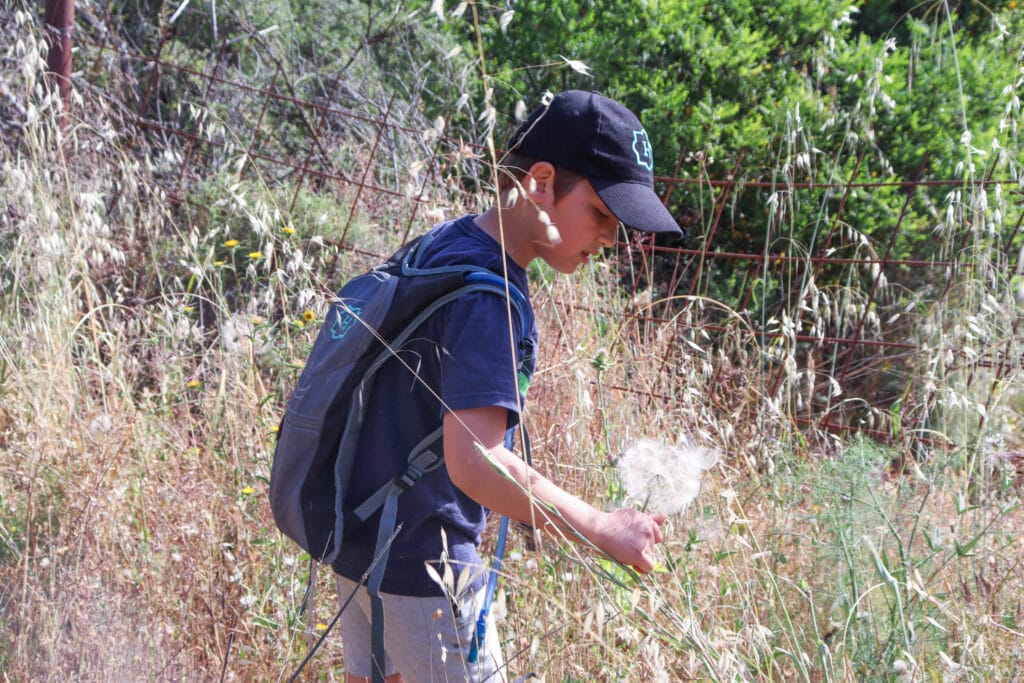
[[642, 149]]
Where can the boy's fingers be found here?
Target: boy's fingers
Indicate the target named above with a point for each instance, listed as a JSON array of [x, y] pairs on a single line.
[[659, 519], [647, 551], [648, 562]]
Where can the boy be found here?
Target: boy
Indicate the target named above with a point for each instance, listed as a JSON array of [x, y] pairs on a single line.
[[576, 168]]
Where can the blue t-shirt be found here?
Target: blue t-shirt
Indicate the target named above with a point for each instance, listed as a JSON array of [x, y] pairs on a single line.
[[463, 353]]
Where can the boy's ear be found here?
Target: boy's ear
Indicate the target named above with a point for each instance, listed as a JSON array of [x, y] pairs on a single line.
[[539, 182]]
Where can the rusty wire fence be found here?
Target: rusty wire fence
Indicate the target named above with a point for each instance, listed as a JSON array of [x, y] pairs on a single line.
[[855, 332]]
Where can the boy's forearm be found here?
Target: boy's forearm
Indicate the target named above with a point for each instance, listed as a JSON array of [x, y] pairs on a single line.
[[524, 494], [532, 496], [524, 497]]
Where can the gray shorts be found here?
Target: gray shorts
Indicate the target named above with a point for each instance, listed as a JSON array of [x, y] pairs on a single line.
[[424, 639]]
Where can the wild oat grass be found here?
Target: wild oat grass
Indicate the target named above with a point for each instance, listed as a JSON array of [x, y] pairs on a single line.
[[145, 353]]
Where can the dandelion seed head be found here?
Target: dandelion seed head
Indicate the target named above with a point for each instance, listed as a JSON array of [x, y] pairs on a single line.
[[664, 478]]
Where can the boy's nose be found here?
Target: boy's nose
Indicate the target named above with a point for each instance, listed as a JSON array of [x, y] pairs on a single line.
[[607, 238]]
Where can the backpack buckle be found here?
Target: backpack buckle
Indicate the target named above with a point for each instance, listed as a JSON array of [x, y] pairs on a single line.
[[411, 475]]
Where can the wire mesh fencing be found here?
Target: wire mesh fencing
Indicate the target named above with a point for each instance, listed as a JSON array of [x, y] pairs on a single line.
[[868, 304]]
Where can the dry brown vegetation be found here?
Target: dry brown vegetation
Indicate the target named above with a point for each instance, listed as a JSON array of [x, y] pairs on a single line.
[[143, 365]]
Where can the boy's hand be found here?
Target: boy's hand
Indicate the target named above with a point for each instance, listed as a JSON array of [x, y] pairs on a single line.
[[629, 536]]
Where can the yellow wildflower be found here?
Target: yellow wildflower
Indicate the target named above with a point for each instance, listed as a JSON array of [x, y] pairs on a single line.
[[218, 264], [288, 230], [248, 491], [273, 430], [231, 244], [256, 320], [255, 255], [321, 626], [193, 383], [309, 316], [186, 309]]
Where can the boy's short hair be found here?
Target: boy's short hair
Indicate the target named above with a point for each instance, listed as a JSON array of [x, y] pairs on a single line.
[[513, 167]]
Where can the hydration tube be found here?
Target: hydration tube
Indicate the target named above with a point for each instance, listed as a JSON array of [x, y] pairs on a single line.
[[492, 585], [499, 556]]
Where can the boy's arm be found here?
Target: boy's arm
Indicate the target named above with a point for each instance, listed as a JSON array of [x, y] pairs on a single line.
[[627, 535]]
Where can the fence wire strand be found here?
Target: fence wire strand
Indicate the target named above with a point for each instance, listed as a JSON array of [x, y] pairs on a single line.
[[848, 351]]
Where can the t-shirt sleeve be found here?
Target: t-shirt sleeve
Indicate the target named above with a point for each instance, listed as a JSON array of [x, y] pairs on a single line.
[[478, 365]]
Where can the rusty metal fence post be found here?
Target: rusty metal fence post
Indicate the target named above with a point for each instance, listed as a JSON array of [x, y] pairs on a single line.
[[59, 23]]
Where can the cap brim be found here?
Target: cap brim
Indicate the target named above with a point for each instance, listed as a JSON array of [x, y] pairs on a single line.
[[636, 205]]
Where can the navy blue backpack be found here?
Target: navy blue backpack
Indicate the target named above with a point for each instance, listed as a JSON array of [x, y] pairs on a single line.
[[318, 437]]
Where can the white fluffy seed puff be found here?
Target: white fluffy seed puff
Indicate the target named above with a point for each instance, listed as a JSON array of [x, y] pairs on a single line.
[[664, 478]]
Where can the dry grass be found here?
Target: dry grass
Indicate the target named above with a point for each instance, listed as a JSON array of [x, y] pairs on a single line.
[[141, 381], [793, 563]]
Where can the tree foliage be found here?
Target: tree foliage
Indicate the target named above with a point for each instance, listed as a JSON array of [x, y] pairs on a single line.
[[820, 92]]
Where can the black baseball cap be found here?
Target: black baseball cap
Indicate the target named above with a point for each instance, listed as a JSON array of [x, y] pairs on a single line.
[[603, 141]]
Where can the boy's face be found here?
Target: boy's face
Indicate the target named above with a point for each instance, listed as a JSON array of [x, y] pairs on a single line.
[[585, 225]]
